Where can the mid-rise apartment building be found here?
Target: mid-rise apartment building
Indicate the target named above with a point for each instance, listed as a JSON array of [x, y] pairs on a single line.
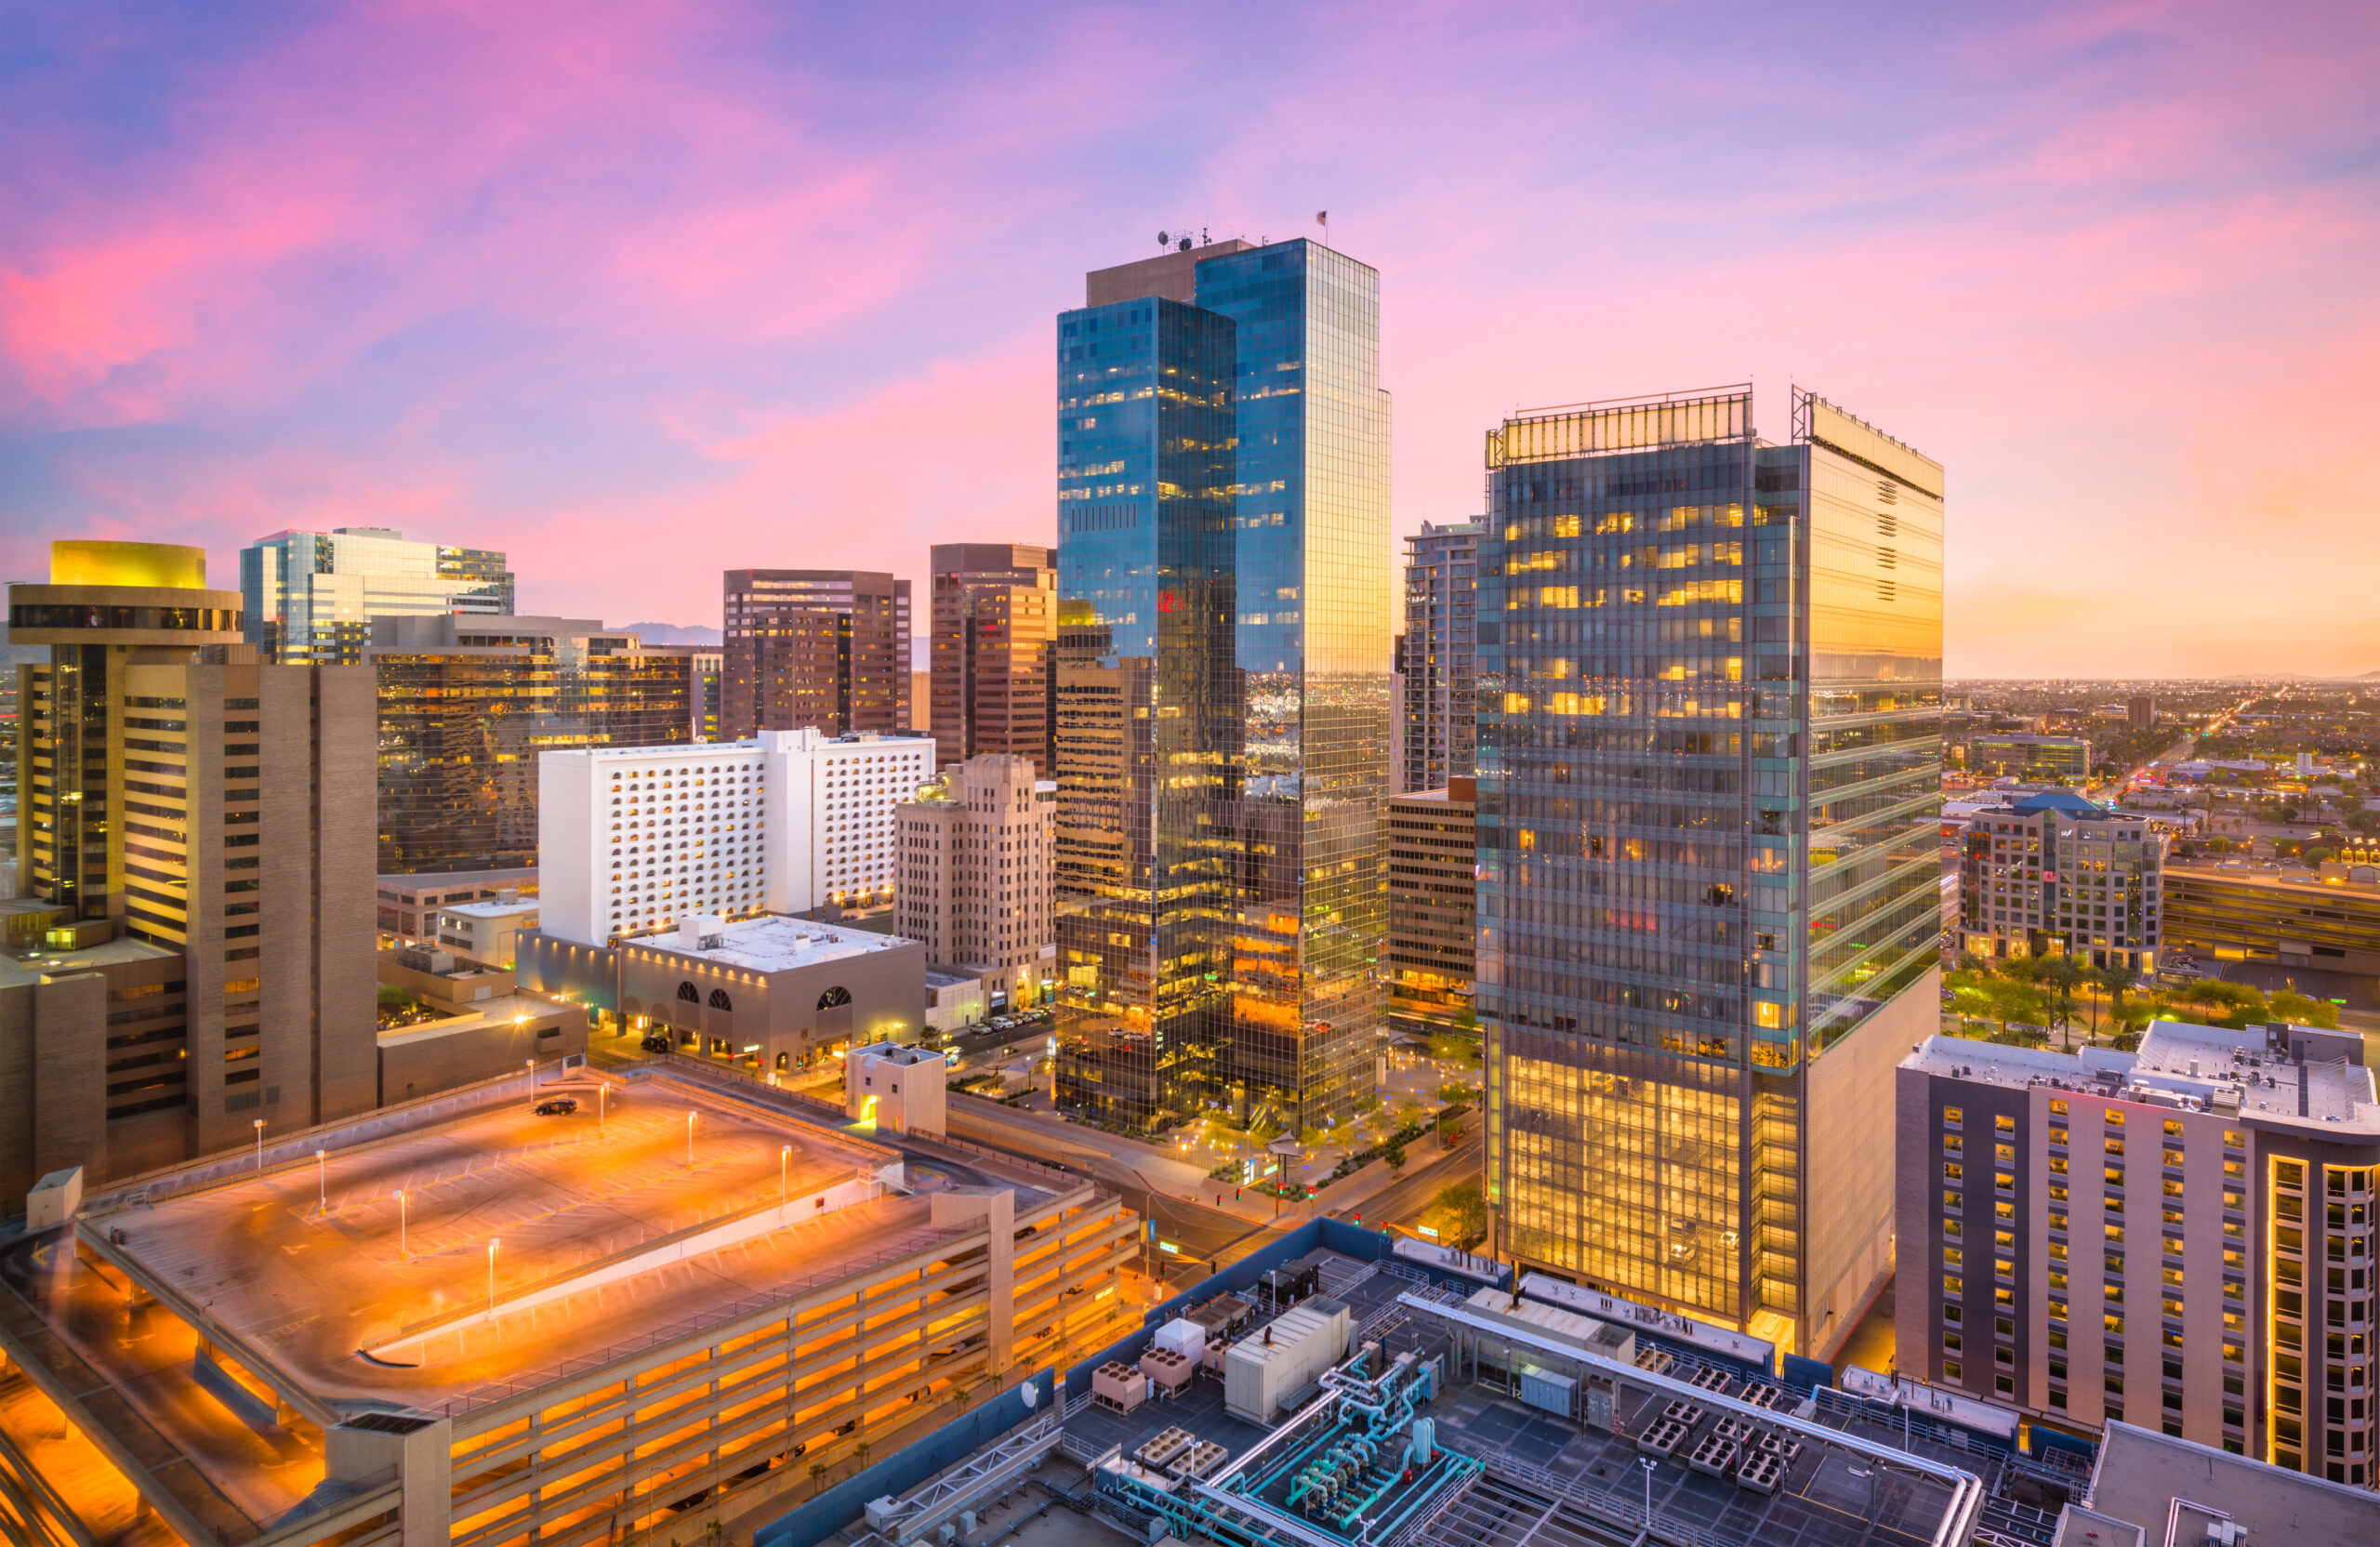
[[1710, 916], [311, 597], [994, 632], [1441, 654], [2140, 711], [195, 828], [636, 839], [2055, 873], [814, 648], [2179, 1238], [2034, 759], [975, 866], [1432, 838], [468, 703]]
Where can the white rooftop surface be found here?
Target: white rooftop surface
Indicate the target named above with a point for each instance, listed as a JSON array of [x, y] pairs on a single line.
[[490, 910], [2339, 1098], [1702, 1334], [775, 944], [1967, 1411]]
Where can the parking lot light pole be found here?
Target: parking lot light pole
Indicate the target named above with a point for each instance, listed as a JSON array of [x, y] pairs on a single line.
[[322, 1181], [258, 1124], [401, 1224], [602, 1106], [491, 1277], [532, 1083], [784, 1172], [690, 1141]]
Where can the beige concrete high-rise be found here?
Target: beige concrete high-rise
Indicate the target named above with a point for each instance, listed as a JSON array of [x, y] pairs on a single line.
[[975, 852], [196, 835], [994, 625], [827, 648]]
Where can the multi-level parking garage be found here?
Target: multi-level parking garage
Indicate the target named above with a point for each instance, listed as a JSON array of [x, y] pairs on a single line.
[[467, 1321]]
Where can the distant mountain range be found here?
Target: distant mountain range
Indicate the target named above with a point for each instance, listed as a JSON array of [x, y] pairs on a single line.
[[667, 633]]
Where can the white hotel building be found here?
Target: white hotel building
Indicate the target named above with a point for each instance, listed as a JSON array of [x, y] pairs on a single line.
[[633, 839]]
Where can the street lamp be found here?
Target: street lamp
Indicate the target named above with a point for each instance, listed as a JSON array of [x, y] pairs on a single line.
[[258, 1124], [401, 1224], [603, 1105], [491, 1279], [784, 1172], [690, 1141], [322, 1182], [533, 1081], [1646, 1462]]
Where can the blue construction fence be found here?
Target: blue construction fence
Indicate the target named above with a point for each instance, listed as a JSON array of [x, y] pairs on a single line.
[[815, 1519]]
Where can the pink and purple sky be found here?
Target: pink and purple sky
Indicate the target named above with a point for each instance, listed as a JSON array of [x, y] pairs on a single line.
[[641, 293]]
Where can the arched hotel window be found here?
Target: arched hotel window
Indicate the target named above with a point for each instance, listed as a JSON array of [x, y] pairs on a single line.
[[686, 992], [833, 997], [719, 999]]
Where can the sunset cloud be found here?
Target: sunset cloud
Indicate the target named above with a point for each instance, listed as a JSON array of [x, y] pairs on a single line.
[[642, 294]]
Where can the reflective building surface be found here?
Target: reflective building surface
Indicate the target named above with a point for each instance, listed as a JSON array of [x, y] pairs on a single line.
[[827, 648], [466, 705], [1709, 692], [1223, 684], [1440, 654], [311, 597]]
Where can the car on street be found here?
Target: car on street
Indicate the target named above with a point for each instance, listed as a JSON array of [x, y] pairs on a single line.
[[657, 1044], [556, 1106]]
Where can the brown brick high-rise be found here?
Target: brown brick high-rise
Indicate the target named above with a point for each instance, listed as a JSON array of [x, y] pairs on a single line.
[[823, 647], [995, 624]]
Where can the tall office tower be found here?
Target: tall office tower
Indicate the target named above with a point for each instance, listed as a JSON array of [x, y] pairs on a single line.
[[2179, 1238], [196, 833], [706, 668], [466, 705], [995, 628], [1224, 683], [311, 597], [1710, 683], [1432, 844], [827, 648], [1441, 652], [2055, 873], [1397, 672], [974, 855]]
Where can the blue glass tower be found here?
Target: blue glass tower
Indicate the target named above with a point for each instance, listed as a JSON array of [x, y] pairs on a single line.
[[1223, 696]]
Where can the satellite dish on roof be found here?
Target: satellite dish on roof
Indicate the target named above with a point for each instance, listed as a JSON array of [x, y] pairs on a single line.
[[1163, 240]]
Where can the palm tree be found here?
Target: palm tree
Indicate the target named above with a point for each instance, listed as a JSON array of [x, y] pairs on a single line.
[[817, 1477], [2064, 974], [2117, 981]]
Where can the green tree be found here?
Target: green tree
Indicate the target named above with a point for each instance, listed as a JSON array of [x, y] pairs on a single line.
[[2300, 1010], [2118, 982], [817, 1477], [2224, 1003], [2062, 976], [1462, 1208]]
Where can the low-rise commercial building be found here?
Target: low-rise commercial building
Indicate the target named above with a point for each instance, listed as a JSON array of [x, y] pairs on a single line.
[[2327, 921], [484, 932], [637, 837], [2055, 873], [766, 993], [408, 904], [1432, 860], [2051, 760], [2179, 1237], [975, 854]]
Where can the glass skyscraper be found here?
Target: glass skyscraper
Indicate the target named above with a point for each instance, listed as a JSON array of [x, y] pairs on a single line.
[[311, 597], [1222, 688], [1709, 748]]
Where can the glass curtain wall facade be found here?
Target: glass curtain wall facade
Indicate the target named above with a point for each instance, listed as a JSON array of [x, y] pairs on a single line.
[[1440, 654], [463, 718], [1265, 842], [309, 597], [1709, 793]]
